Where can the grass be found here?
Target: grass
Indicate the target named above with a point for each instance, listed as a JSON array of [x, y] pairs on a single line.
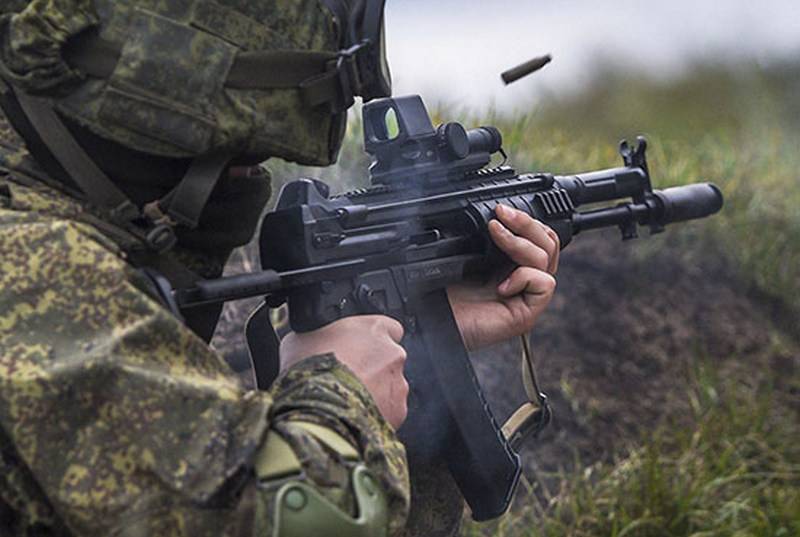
[[735, 471]]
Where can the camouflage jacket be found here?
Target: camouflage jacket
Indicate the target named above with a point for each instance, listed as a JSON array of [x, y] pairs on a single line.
[[115, 419]]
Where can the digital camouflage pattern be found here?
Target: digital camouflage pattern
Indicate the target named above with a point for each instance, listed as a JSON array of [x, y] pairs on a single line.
[[157, 100], [115, 419]]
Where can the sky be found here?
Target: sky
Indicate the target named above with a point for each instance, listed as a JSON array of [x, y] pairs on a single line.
[[454, 51]]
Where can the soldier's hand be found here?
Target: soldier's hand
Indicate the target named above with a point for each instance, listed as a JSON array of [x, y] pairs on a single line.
[[370, 347], [499, 310]]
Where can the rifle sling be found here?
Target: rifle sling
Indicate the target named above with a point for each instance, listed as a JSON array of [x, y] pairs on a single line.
[[186, 202], [534, 415]]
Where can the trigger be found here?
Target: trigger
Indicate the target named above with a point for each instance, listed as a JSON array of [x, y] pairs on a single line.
[[372, 300]]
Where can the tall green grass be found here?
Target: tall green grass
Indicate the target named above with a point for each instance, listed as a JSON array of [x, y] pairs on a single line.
[[734, 470]]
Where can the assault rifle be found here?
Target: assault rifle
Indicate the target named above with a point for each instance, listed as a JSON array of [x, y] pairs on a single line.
[[394, 248]]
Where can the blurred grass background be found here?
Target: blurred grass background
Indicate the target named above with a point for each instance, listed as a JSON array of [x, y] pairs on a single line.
[[732, 472], [731, 467]]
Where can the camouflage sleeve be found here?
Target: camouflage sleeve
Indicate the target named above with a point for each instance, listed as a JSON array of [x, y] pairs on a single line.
[[116, 420]]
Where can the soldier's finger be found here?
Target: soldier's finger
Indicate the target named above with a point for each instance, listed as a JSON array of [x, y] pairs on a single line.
[[521, 251], [556, 254], [527, 227], [527, 280]]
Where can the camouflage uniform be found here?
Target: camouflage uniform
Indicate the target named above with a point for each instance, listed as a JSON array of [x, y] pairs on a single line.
[[115, 419]]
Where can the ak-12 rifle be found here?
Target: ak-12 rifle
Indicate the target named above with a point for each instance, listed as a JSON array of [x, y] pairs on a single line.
[[394, 248]]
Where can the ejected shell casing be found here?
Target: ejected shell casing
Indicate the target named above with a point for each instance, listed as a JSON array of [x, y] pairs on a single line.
[[520, 71]]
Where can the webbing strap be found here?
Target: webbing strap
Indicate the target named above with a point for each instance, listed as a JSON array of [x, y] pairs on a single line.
[[186, 202], [321, 89], [534, 415], [279, 69], [100, 190], [529, 378], [522, 423]]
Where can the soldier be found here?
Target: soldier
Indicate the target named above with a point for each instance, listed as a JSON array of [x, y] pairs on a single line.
[[136, 125]]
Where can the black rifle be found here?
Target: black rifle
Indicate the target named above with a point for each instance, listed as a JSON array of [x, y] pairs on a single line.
[[394, 248]]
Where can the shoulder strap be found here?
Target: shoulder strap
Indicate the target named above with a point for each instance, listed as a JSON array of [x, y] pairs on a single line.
[[186, 202], [155, 225], [100, 190]]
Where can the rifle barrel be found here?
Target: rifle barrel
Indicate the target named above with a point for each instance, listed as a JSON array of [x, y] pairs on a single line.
[[663, 207]]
